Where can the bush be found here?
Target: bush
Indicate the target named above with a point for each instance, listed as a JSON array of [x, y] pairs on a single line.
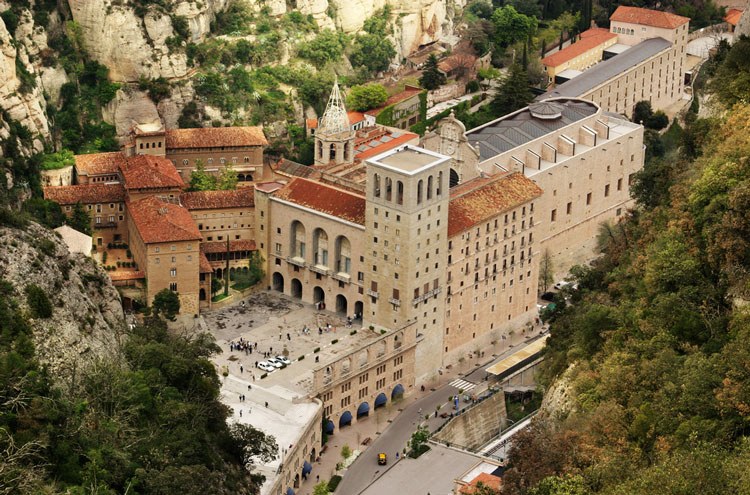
[[383, 331], [334, 341], [335, 480], [38, 302], [316, 350], [352, 332], [472, 86], [263, 375], [301, 358]]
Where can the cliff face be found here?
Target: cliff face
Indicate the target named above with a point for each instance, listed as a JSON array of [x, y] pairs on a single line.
[[87, 320]]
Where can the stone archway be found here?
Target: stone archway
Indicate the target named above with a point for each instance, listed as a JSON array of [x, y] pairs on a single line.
[[341, 304], [319, 295], [277, 281], [358, 308], [296, 288]]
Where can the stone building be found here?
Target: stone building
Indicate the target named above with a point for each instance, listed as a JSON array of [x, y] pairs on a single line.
[[401, 110], [569, 62], [647, 63]]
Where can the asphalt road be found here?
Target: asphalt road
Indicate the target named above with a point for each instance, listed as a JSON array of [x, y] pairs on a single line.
[[365, 469]]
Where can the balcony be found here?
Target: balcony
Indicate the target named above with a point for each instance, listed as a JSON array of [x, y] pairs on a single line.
[[426, 295], [395, 302], [296, 261], [372, 293], [342, 277], [105, 225], [319, 269]]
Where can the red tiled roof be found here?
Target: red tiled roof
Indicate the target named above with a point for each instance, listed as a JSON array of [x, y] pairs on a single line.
[[489, 480], [589, 41], [647, 17], [457, 60], [150, 172], [407, 93], [158, 221], [209, 200], [99, 163], [221, 246], [204, 265], [354, 117], [215, 136], [406, 137], [733, 16], [86, 193], [325, 199], [469, 207]]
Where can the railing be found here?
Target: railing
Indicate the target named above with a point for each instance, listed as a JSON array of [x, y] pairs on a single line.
[[426, 295], [319, 269], [372, 293], [296, 261], [341, 277], [105, 225], [395, 302]]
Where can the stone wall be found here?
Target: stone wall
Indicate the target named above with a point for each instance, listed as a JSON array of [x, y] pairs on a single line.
[[476, 426]]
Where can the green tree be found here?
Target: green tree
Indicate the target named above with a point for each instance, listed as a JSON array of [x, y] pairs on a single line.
[[227, 179], [372, 51], [510, 26], [346, 452], [432, 77], [418, 440], [328, 46], [80, 219], [363, 98], [200, 180], [642, 112], [513, 93], [216, 285], [167, 303], [556, 485], [480, 8], [321, 488], [38, 301], [546, 271], [54, 161], [46, 212]]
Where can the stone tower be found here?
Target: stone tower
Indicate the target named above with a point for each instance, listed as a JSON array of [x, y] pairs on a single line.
[[334, 139], [406, 248]]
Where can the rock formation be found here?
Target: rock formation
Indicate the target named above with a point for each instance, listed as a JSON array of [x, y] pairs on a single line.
[[87, 320]]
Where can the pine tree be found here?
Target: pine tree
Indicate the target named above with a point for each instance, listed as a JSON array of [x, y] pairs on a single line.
[[80, 220], [513, 93], [431, 78]]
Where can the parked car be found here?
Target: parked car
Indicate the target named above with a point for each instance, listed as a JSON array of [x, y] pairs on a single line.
[[275, 362], [382, 459], [266, 367], [283, 360]]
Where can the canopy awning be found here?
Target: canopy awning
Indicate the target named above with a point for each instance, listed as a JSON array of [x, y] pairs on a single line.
[[306, 468], [289, 491]]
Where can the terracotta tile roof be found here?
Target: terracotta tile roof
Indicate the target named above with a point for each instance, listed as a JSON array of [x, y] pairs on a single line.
[[126, 275], [489, 480], [86, 193], [204, 265], [99, 163], [589, 41], [469, 207], [407, 93], [733, 16], [215, 136], [325, 199], [457, 60], [209, 200], [221, 246], [354, 118], [294, 169], [150, 172], [397, 141], [158, 221], [647, 17]]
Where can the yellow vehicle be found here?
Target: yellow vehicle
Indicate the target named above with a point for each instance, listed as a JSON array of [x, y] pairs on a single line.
[[382, 459]]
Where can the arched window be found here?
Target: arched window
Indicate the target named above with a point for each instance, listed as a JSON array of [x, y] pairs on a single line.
[[419, 191], [429, 187], [246, 159], [346, 151], [399, 192], [376, 185], [320, 247], [439, 184], [388, 188], [297, 241], [320, 149], [343, 255], [332, 156], [454, 178]]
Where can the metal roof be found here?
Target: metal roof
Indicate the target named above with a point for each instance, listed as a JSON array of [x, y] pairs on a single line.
[[521, 127], [608, 69]]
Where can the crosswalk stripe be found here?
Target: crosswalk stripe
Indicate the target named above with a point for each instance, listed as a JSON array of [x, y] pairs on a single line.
[[462, 384]]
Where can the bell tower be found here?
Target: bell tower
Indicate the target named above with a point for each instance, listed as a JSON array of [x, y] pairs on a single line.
[[334, 139]]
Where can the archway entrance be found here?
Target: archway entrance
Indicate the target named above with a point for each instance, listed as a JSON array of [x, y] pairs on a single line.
[[319, 295], [296, 288], [277, 282], [296, 480], [380, 400], [330, 427], [312, 455], [346, 419], [358, 308], [202, 294], [398, 392], [363, 410], [341, 304]]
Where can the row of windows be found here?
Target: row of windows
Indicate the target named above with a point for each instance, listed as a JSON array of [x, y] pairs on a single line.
[[174, 260], [210, 161], [99, 207], [388, 192], [172, 247]]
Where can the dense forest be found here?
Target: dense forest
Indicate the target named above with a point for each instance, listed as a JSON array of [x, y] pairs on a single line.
[[654, 347]]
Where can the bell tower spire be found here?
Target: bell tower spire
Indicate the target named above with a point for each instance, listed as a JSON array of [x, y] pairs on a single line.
[[334, 139]]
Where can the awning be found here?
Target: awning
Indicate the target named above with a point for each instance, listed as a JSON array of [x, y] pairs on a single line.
[[363, 408], [306, 468], [330, 427], [289, 491], [380, 400], [532, 350], [398, 391], [346, 418]]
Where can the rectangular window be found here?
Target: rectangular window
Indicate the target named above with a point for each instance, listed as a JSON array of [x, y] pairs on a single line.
[[588, 199], [173, 272], [173, 286], [553, 216], [606, 190], [569, 208], [619, 184]]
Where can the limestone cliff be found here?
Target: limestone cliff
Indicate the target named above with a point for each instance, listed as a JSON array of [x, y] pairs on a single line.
[[559, 399], [87, 319]]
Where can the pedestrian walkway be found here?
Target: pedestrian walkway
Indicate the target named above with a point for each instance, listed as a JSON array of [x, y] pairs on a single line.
[[462, 384]]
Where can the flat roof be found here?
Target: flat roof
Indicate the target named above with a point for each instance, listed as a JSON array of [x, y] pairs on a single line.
[[408, 159], [516, 129], [618, 48], [570, 73], [515, 358], [608, 69]]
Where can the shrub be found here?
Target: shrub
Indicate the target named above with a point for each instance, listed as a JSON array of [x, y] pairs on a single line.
[[301, 358], [263, 375], [38, 302], [352, 332], [472, 86], [334, 341], [335, 480], [317, 349], [383, 331]]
